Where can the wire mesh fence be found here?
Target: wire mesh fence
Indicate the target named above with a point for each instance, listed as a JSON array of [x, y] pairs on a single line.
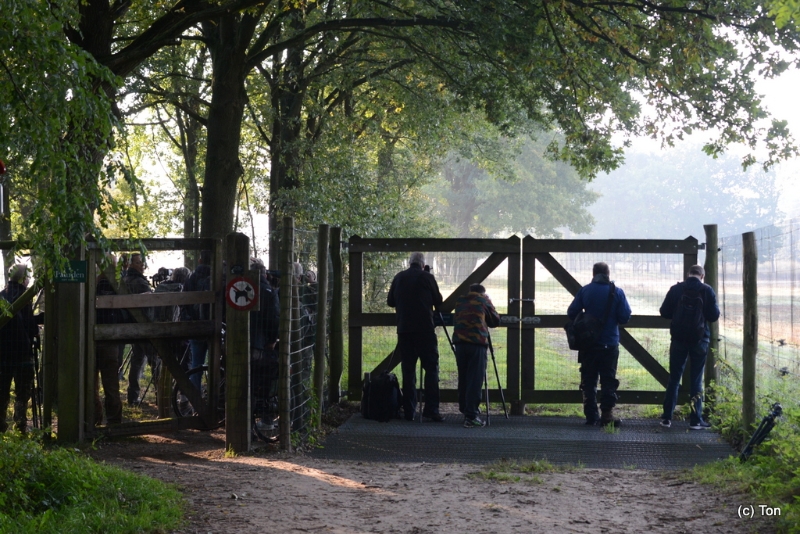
[[304, 294], [778, 357], [645, 278]]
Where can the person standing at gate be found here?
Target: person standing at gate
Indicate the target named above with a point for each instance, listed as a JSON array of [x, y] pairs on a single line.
[[474, 315], [414, 294], [199, 280], [141, 351], [690, 306], [16, 351], [106, 355], [601, 360]]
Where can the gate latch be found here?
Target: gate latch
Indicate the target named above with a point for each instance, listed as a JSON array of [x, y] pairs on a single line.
[[531, 320]]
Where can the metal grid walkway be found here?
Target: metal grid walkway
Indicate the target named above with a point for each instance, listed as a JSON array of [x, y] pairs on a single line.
[[639, 443]]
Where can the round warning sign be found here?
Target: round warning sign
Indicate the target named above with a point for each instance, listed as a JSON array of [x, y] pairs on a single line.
[[241, 294]]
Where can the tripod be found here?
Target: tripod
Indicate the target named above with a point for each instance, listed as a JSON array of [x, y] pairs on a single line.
[[499, 386], [763, 430]]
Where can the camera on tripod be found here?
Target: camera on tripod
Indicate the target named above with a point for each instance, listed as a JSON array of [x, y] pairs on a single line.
[[162, 275]]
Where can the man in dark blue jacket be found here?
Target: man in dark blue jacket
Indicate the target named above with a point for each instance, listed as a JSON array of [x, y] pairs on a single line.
[[682, 347], [601, 360], [415, 294]]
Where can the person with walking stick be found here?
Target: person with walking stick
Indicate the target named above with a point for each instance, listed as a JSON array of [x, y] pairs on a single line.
[[474, 315], [414, 294]]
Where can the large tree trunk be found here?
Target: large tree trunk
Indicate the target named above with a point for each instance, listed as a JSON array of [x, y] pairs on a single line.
[[228, 40], [285, 160]]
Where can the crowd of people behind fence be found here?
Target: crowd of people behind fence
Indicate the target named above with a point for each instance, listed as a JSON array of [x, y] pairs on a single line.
[[690, 305], [19, 337]]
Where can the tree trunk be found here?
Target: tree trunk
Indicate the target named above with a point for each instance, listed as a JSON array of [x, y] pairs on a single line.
[[228, 40]]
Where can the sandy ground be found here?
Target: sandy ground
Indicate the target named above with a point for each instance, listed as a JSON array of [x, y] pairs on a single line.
[[271, 492]]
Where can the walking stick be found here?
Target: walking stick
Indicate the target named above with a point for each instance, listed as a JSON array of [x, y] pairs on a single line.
[[497, 374]]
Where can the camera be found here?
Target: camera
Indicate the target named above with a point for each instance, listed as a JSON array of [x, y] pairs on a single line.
[[162, 275], [427, 268]]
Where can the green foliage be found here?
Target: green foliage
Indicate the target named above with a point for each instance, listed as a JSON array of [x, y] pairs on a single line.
[[58, 490], [534, 196], [786, 12], [772, 473], [55, 128]]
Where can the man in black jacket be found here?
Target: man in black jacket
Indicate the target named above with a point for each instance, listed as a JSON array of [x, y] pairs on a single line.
[[106, 355], [143, 350], [688, 345], [414, 294], [16, 351]]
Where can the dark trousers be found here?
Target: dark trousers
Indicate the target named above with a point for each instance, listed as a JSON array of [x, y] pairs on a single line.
[[598, 363], [140, 353], [106, 363], [471, 362], [422, 346], [22, 374]]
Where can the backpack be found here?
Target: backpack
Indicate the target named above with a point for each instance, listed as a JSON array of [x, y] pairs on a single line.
[[381, 398], [584, 332], [688, 322]]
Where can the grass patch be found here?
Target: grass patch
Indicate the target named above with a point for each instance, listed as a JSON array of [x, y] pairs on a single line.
[[59, 490], [505, 471]]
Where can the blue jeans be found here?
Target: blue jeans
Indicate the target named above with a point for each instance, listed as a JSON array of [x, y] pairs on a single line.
[[471, 361], [198, 350], [678, 353]]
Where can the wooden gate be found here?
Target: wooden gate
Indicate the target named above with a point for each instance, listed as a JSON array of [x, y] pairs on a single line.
[[521, 320]]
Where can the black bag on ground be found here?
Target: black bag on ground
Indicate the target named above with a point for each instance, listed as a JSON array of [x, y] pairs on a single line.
[[381, 398], [584, 332], [688, 322]]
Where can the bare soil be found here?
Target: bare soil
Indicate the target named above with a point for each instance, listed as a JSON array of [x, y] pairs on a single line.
[[272, 492]]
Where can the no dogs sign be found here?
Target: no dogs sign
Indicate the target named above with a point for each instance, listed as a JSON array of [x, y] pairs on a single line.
[[241, 294]]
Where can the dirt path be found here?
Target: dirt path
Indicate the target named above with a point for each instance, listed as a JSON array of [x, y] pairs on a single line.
[[277, 493]]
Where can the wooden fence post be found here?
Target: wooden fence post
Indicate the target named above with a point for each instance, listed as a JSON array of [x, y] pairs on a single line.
[[320, 344], [71, 358], [712, 279], [49, 355], [337, 323], [750, 330], [237, 347], [285, 329]]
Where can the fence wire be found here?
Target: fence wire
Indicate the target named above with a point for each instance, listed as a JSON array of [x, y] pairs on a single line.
[[778, 357], [304, 295], [645, 278]]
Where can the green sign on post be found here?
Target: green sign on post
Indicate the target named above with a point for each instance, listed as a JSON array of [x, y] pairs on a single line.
[[75, 273]]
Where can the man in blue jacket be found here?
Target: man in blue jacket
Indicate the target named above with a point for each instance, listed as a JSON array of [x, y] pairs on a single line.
[[415, 294], [601, 360], [688, 341]]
